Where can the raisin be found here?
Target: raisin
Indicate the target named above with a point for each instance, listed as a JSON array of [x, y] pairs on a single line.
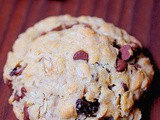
[[84, 107]]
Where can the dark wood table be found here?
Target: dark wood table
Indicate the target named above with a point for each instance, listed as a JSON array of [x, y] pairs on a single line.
[[140, 18]]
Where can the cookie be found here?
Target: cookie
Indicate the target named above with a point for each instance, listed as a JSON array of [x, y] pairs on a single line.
[[76, 68]]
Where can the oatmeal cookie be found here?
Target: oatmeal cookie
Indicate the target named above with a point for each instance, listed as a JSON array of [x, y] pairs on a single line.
[[76, 68]]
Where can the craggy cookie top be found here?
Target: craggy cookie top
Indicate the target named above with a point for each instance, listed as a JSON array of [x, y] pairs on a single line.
[[76, 68]]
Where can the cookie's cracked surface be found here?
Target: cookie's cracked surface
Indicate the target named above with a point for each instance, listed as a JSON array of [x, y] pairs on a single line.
[[76, 68]]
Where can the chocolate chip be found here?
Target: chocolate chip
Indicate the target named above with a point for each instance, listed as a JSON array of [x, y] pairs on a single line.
[[43, 33], [125, 52], [95, 76], [98, 27], [26, 114], [70, 26], [98, 63], [16, 97], [108, 70], [115, 44], [120, 65], [23, 91], [92, 76], [9, 84], [107, 118], [59, 28], [84, 107], [13, 72], [81, 55], [17, 70], [62, 27], [124, 85], [136, 49], [137, 66], [87, 25], [134, 61], [111, 86]]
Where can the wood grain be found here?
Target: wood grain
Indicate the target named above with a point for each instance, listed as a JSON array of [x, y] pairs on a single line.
[[140, 18]]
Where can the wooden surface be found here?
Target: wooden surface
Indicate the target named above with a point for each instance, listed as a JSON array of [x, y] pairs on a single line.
[[141, 18]]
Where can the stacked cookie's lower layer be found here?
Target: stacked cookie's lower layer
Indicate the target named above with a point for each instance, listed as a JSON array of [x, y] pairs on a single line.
[[76, 68]]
